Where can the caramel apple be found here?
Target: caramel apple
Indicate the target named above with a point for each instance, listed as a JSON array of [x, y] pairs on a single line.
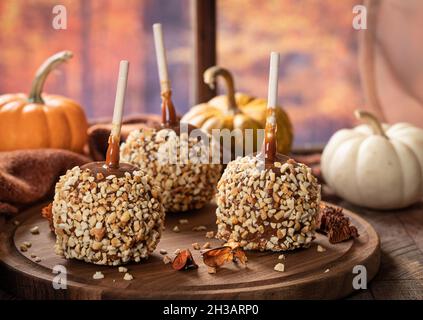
[[185, 184], [267, 201], [107, 213]]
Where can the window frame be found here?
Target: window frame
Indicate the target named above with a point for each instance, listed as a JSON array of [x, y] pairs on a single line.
[[203, 23]]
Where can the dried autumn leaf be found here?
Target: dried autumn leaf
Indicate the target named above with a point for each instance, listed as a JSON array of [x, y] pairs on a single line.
[[239, 255], [184, 261], [335, 225], [47, 213], [218, 256]]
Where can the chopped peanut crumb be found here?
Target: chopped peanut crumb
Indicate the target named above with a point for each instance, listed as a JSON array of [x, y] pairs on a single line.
[[279, 267], [98, 275], [209, 234], [167, 259], [128, 277], [320, 248]]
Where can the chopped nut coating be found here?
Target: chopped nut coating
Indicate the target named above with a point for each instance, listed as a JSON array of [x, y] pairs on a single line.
[[263, 208], [185, 184], [106, 222]]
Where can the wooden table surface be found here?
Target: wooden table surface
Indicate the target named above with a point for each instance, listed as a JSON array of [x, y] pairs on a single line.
[[401, 235], [401, 272]]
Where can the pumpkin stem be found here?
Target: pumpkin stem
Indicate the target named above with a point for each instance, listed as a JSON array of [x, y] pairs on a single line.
[[168, 109], [210, 76], [42, 73], [372, 120]]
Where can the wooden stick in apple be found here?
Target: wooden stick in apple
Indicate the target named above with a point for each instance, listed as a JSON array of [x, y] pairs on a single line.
[[112, 155], [168, 109], [269, 144]]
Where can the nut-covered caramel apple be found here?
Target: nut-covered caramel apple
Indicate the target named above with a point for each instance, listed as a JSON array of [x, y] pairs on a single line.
[[108, 212], [185, 184], [267, 201]]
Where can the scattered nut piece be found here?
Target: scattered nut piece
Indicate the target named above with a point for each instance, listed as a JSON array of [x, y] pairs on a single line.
[[163, 251], [123, 269], [279, 267], [37, 259], [33, 255], [209, 234], [211, 270], [320, 248], [176, 229], [98, 275], [16, 222], [27, 244], [281, 257], [183, 221], [206, 245], [23, 247], [167, 260], [327, 270], [199, 228], [177, 251], [128, 277], [34, 230], [196, 246]]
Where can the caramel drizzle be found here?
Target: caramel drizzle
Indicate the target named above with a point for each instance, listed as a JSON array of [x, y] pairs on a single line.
[[270, 144], [112, 154], [168, 109]]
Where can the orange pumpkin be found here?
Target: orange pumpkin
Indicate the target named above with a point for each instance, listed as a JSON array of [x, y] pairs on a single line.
[[41, 120]]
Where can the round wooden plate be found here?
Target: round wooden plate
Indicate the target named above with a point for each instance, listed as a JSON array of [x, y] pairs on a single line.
[[308, 274]]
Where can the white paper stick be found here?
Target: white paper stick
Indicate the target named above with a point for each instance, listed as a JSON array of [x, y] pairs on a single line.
[[161, 57], [272, 98], [120, 98]]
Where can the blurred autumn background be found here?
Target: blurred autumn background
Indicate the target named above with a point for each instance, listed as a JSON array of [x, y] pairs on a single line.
[[319, 77], [319, 87]]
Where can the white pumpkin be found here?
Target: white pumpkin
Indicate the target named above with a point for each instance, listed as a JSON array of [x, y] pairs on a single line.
[[375, 166]]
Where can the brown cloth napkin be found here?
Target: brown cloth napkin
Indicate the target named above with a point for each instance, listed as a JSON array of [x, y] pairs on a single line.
[[27, 176]]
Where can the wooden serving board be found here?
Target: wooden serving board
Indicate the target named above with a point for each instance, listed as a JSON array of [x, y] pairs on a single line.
[[304, 276]]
